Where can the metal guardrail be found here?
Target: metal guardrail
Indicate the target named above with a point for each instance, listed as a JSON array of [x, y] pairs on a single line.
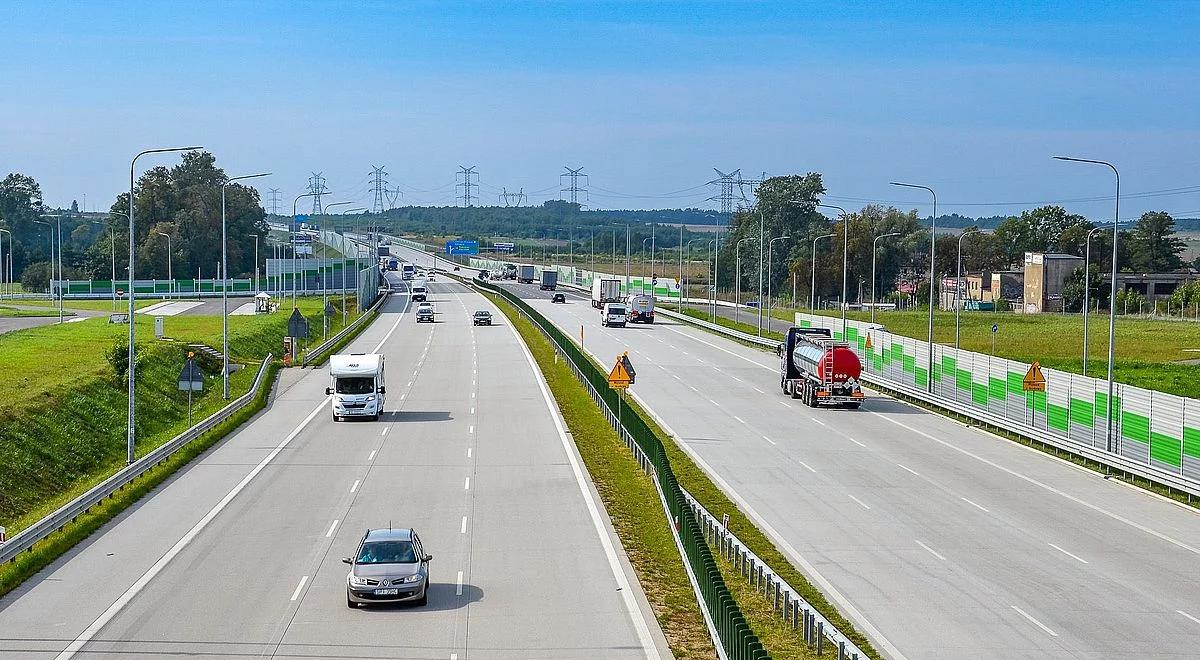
[[317, 350], [26, 538], [1107, 459], [732, 636]]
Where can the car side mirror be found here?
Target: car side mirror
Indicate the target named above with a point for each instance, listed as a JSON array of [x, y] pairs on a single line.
[[428, 557], [328, 391], [382, 390], [347, 560]]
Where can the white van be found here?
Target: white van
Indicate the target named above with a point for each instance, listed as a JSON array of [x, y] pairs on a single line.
[[419, 292], [613, 315], [356, 385]]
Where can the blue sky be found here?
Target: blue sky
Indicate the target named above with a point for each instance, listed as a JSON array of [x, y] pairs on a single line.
[[969, 97]]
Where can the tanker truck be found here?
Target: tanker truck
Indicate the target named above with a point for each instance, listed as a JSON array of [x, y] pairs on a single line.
[[818, 370]]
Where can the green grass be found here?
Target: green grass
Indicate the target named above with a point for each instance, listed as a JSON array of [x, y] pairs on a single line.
[[1146, 349], [89, 305], [17, 312], [15, 572], [776, 636], [630, 498]]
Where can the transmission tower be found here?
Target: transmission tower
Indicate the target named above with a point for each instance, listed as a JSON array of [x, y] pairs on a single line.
[[379, 181], [393, 195], [725, 181], [517, 198], [316, 188], [572, 185], [470, 178], [273, 200]]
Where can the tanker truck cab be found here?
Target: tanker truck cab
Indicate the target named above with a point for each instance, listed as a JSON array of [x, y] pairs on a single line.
[[356, 385], [818, 370]]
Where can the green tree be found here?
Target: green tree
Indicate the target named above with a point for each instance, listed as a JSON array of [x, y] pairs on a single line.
[[1044, 229], [1153, 245], [1073, 290]]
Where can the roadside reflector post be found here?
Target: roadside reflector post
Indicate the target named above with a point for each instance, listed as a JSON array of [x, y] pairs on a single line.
[[820, 638]]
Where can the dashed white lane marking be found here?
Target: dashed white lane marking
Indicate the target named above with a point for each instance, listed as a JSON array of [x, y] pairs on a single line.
[[739, 419], [714, 403], [371, 457], [768, 439], [759, 391], [458, 588], [472, 395], [785, 403], [468, 452], [410, 383], [931, 550], [463, 528], [817, 421], [1072, 556], [472, 429], [1188, 616], [854, 441], [693, 388], [807, 466], [1034, 621], [357, 483], [860, 502], [905, 467], [981, 508], [384, 431], [472, 410], [331, 528], [467, 484], [299, 587]]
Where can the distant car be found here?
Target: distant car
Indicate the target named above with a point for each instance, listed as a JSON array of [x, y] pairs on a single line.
[[456, 269], [752, 303], [389, 566], [483, 317], [483, 275], [424, 312], [431, 277], [558, 298]]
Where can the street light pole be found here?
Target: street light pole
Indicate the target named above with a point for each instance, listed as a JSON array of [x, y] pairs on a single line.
[[1112, 300], [225, 285], [845, 259], [770, 246], [292, 232], [737, 277], [874, 252], [812, 288], [689, 249], [345, 320], [761, 241], [932, 245], [958, 284], [130, 432], [650, 238], [255, 263], [49, 280], [321, 267], [11, 248], [1087, 261]]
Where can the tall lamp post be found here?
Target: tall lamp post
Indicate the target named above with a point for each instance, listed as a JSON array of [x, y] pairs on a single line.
[[53, 251], [770, 246], [344, 319], [1087, 261], [256, 237], [112, 248], [130, 432], [812, 287], [874, 252], [648, 238], [1112, 300], [845, 258], [737, 277], [958, 284], [932, 244], [225, 285], [11, 248], [292, 230], [689, 250], [170, 269], [321, 266], [50, 280]]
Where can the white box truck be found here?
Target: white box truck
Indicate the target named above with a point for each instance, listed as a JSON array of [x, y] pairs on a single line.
[[525, 274], [356, 385], [605, 291]]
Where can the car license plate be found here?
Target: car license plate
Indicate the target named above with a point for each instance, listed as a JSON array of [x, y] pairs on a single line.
[[386, 592]]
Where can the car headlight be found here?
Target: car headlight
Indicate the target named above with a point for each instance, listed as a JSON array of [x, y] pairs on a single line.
[[356, 581], [415, 577]]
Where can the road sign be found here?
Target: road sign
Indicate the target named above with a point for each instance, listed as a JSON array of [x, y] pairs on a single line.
[[297, 325], [869, 345], [621, 375], [1035, 380], [191, 378], [462, 247], [995, 328], [329, 309], [118, 318]]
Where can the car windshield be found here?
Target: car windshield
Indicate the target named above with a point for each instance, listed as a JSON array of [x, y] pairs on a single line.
[[616, 310], [483, 313], [386, 552], [355, 385]]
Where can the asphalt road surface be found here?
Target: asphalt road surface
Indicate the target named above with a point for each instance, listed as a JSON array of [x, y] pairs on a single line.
[[938, 540], [239, 555]]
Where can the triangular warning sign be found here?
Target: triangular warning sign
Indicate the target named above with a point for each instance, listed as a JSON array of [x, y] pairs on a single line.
[[619, 377], [1035, 380], [869, 345]]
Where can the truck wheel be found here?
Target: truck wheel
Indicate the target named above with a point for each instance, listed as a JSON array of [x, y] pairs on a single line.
[[854, 406], [650, 321]]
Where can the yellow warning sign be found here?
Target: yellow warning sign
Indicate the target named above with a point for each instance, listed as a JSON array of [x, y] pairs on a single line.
[[620, 378], [1035, 380], [869, 345]]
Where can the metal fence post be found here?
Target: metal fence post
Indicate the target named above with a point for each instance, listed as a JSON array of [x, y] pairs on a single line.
[[820, 638]]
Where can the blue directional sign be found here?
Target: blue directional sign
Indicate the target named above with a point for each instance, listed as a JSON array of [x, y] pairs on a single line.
[[462, 247]]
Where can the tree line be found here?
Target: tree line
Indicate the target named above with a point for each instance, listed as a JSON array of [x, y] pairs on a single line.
[[183, 202]]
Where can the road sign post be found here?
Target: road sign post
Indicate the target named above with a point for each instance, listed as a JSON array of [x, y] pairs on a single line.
[[995, 329], [191, 379], [1035, 380]]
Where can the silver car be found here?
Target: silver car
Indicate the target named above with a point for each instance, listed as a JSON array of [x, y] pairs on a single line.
[[390, 566]]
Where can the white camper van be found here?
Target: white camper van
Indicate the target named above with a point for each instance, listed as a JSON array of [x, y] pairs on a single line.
[[356, 384]]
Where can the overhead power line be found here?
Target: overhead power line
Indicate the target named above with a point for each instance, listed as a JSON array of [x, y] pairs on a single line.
[[470, 179]]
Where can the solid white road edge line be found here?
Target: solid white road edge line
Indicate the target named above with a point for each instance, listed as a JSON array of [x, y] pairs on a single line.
[[1034, 621], [299, 587], [631, 607], [108, 614]]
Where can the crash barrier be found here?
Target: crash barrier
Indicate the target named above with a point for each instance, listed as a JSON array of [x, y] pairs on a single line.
[[316, 354], [732, 635], [68, 513], [1155, 436], [663, 287], [786, 602]]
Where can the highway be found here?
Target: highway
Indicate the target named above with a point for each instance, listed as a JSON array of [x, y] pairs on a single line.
[[937, 539], [239, 554]]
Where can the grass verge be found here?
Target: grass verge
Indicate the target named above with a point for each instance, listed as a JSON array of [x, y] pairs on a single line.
[[776, 636], [13, 573], [629, 496]]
